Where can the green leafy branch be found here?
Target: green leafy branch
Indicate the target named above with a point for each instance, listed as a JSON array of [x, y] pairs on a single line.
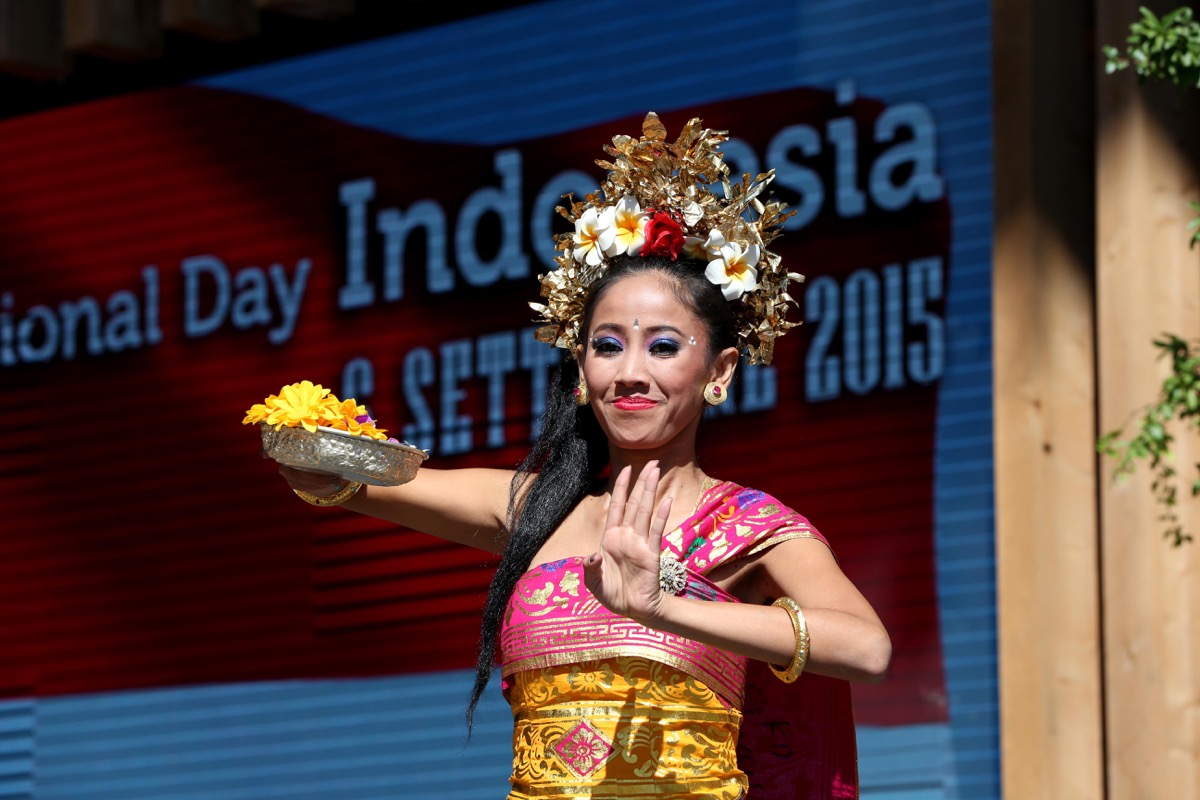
[[1166, 48], [1178, 399]]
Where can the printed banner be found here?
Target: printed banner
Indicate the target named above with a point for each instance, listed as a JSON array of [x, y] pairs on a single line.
[[169, 258]]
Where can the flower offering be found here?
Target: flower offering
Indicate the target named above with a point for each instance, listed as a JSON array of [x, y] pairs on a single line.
[[306, 426], [311, 406]]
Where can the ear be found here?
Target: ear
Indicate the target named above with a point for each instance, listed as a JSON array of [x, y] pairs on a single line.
[[724, 365]]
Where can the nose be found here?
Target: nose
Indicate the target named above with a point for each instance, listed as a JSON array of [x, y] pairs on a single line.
[[632, 370]]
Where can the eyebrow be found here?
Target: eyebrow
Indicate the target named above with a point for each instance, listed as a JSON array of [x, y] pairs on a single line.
[[614, 327]]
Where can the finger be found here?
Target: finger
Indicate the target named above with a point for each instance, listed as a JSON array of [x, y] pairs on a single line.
[[592, 566], [293, 474], [636, 497], [308, 481], [616, 503], [658, 525], [641, 520]]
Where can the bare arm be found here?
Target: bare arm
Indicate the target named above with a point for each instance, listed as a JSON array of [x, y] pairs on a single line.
[[467, 506], [847, 640]]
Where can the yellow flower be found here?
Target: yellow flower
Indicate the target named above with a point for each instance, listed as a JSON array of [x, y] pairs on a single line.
[[347, 410], [368, 429], [310, 406], [301, 404], [356, 428], [257, 413]]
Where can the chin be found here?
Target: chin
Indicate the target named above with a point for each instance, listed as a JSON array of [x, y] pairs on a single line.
[[633, 441], [630, 431], [630, 437]]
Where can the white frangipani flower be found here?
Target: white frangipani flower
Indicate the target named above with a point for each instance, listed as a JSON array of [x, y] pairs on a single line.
[[595, 237], [734, 270], [629, 222], [704, 249]]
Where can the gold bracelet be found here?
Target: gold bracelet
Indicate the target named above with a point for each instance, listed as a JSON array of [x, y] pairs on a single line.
[[345, 493], [800, 627]]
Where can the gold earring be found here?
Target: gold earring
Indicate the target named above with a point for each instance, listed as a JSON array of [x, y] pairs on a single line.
[[714, 395], [582, 398]]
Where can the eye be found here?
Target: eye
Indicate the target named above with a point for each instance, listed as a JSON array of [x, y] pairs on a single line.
[[664, 347], [606, 345]]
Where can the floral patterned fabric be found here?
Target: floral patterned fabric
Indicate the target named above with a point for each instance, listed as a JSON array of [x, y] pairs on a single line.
[[624, 727], [606, 707]]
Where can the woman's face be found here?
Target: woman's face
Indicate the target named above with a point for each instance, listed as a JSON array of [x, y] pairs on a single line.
[[645, 361]]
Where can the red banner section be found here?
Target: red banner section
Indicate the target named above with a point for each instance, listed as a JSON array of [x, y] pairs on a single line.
[[171, 258]]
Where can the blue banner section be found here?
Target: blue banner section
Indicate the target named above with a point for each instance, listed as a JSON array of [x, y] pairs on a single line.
[[554, 67], [377, 739], [367, 739]]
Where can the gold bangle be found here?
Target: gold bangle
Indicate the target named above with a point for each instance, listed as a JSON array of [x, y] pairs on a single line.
[[345, 493], [800, 627]]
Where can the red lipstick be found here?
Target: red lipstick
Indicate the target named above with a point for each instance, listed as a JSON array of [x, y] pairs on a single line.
[[634, 403]]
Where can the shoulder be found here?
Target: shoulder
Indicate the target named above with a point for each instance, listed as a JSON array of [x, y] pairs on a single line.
[[773, 520], [755, 503]]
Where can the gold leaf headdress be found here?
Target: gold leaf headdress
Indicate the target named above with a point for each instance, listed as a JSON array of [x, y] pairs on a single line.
[[655, 200]]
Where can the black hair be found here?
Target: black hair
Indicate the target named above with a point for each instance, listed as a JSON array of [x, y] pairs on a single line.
[[571, 452]]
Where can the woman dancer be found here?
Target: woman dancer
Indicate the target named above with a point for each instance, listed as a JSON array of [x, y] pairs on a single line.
[[633, 586]]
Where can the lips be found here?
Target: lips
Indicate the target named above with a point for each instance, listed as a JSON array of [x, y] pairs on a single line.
[[634, 403]]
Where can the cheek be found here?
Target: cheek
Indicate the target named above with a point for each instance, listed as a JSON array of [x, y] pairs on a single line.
[[685, 380], [597, 373]]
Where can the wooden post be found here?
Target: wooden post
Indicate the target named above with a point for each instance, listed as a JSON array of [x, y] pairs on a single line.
[[31, 39], [223, 20], [127, 30], [1148, 282], [1046, 528]]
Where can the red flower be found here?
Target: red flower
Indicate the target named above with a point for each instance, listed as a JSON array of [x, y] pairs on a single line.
[[664, 237]]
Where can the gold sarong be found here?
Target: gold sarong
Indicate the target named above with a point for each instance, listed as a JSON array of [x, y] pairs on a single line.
[[621, 727]]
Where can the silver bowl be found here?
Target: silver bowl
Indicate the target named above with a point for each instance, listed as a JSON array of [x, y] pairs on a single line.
[[356, 458]]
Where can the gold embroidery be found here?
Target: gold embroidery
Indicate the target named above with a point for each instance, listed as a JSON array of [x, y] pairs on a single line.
[[589, 606], [776, 539], [537, 597], [670, 735], [719, 544], [570, 583], [769, 510], [590, 680], [540, 596], [592, 709], [675, 538], [584, 750], [728, 679]]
